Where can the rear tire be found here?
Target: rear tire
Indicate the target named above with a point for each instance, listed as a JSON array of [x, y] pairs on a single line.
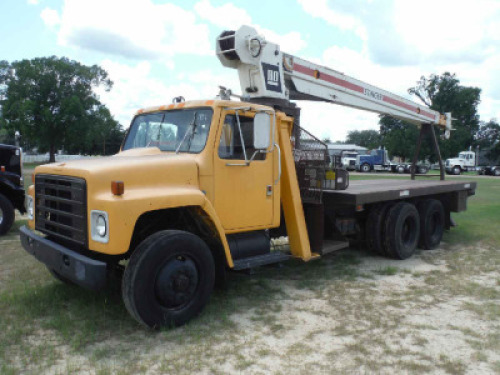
[[402, 229], [7, 214], [168, 279], [401, 169], [432, 222], [375, 227]]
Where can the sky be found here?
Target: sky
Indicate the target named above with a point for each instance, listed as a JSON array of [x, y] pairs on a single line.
[[156, 50]]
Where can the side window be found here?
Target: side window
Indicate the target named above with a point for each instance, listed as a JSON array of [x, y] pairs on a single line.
[[230, 146]]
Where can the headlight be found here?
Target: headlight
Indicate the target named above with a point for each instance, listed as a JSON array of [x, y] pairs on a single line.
[[99, 227], [29, 207]]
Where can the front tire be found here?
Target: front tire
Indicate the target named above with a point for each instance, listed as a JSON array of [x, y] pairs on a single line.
[[168, 279], [7, 214], [365, 168], [456, 171]]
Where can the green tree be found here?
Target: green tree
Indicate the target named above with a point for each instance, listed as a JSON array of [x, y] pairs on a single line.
[[488, 138], [52, 102], [366, 138], [444, 93]]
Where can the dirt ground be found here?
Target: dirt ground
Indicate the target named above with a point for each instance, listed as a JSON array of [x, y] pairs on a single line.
[[351, 312]]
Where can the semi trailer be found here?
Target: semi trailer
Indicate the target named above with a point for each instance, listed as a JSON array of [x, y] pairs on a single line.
[[199, 188]]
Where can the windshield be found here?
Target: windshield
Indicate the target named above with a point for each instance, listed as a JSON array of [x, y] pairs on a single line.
[[183, 130], [462, 155], [350, 156]]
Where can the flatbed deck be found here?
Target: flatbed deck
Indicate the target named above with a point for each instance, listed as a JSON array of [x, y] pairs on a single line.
[[362, 192]]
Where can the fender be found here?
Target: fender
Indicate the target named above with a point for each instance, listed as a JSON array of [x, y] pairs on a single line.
[[124, 211]]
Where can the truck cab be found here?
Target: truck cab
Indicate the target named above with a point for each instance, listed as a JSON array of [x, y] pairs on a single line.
[[203, 174], [348, 159], [377, 160], [465, 161]]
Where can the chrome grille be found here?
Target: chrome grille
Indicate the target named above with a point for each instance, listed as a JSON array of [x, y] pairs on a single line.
[[61, 207]]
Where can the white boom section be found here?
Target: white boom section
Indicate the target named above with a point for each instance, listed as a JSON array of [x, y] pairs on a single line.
[[266, 72]]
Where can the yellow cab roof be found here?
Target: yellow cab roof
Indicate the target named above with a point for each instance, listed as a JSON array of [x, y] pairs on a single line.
[[201, 103]]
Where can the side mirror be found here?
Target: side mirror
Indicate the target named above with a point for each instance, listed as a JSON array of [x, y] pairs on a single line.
[[261, 131]]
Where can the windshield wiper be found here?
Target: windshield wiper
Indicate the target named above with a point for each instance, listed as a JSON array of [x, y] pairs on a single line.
[[192, 129]]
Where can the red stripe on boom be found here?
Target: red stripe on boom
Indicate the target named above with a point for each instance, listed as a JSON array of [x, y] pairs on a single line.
[[352, 86]]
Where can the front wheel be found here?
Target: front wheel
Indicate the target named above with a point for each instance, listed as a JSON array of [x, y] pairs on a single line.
[[365, 168], [168, 279], [456, 171], [7, 214]]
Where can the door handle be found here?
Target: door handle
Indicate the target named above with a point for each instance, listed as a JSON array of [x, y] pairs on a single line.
[[279, 163]]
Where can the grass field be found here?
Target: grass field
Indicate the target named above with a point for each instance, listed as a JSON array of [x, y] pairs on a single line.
[[351, 312]]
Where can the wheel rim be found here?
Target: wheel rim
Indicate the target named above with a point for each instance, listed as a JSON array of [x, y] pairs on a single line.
[[1, 216], [176, 282]]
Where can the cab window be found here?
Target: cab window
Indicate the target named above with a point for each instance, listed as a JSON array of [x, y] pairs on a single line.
[[231, 147]]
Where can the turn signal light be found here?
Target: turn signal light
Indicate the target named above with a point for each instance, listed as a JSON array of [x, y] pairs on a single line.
[[117, 187], [2, 168]]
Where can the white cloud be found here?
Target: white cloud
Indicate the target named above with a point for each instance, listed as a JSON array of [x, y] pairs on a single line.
[[405, 32], [140, 29], [50, 17], [228, 16], [33, 2], [404, 40], [135, 87]]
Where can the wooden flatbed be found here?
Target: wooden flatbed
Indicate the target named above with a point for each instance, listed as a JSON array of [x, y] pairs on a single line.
[[362, 192]]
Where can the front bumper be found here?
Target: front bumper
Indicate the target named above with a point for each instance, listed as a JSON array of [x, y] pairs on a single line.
[[83, 271]]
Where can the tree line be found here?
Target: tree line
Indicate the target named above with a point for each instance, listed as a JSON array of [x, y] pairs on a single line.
[[443, 93], [51, 102]]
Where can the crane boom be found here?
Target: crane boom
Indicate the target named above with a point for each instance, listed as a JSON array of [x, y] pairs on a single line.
[[267, 72]]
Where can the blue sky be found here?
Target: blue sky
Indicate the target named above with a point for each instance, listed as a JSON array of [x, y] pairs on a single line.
[[155, 50]]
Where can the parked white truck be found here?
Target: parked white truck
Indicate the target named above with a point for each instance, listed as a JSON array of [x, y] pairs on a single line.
[[465, 161]]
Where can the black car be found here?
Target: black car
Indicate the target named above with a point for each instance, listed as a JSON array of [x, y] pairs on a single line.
[[11, 185]]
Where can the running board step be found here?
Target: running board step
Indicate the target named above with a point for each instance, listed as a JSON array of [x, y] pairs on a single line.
[[331, 246], [260, 260]]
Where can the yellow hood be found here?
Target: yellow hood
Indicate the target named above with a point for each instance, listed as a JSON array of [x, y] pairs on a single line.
[[136, 168]]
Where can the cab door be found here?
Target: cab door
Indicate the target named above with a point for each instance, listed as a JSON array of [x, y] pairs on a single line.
[[244, 176]]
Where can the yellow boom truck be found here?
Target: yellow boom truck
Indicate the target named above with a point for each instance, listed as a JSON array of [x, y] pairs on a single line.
[[200, 187]]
